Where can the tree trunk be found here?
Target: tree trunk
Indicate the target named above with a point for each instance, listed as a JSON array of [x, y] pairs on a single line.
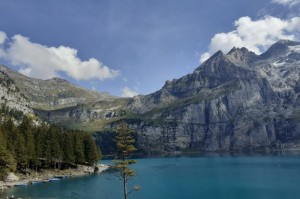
[[124, 187]]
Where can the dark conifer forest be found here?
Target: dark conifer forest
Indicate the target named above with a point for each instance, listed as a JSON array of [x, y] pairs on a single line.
[[28, 147]]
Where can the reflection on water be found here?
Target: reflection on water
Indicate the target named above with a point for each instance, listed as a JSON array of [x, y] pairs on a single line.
[[165, 165]]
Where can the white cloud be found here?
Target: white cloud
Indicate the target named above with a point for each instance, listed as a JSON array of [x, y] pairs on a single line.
[[204, 57], [40, 61], [256, 35], [286, 2], [127, 92], [3, 37]]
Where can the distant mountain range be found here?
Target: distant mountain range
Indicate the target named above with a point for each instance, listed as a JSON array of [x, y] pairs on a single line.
[[233, 101]]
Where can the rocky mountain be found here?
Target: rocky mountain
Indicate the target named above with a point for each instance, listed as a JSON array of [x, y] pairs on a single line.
[[55, 93], [59, 101], [12, 100], [233, 101]]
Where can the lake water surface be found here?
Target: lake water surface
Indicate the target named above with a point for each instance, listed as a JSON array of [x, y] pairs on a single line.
[[205, 177]]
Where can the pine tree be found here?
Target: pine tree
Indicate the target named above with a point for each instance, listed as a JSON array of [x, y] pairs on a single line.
[[56, 151], [79, 148], [7, 162], [92, 154], [125, 148], [20, 152], [39, 139], [68, 152], [10, 131], [26, 130]]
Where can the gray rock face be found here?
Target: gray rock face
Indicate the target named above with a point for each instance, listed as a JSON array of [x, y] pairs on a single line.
[[231, 102], [11, 97]]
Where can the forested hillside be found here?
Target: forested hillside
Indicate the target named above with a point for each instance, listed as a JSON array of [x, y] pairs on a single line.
[[26, 147]]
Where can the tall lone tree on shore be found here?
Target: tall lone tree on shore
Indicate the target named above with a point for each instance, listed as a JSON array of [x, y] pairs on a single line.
[[125, 148]]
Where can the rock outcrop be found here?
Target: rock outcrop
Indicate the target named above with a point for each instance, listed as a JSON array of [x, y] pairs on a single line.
[[12, 99]]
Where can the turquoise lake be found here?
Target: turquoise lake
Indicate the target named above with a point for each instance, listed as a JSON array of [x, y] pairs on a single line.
[[207, 177]]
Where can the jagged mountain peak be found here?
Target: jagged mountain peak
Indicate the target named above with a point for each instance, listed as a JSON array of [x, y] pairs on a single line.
[[215, 58], [218, 55], [287, 42], [241, 56], [279, 49], [57, 79], [236, 49]]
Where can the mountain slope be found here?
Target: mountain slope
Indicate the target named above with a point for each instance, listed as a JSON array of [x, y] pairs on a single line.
[[54, 93], [12, 101], [58, 101]]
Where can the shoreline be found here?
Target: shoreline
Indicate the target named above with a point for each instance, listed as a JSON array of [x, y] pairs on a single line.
[[51, 175]]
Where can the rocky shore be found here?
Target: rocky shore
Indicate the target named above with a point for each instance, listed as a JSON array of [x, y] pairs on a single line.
[[48, 176]]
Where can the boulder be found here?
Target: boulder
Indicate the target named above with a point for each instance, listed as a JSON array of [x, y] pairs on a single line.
[[11, 177]]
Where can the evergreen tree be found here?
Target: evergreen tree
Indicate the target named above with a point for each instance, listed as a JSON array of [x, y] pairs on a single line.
[[26, 130], [79, 148], [56, 151], [7, 162], [91, 151], [46, 147], [125, 147], [20, 153], [68, 152], [39, 139], [10, 131]]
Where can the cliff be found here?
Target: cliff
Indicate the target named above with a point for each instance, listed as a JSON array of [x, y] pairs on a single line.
[[12, 100]]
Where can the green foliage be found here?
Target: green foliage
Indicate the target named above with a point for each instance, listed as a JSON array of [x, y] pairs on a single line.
[[29, 147], [125, 148], [7, 162], [107, 141], [79, 149], [124, 141], [68, 143], [91, 151]]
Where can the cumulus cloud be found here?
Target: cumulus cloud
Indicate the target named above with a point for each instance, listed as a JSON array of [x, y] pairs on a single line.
[[204, 57], [256, 35], [3, 37], [127, 92], [286, 2], [40, 61]]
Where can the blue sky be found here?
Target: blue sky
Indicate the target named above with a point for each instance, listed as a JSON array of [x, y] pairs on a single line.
[[128, 47]]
